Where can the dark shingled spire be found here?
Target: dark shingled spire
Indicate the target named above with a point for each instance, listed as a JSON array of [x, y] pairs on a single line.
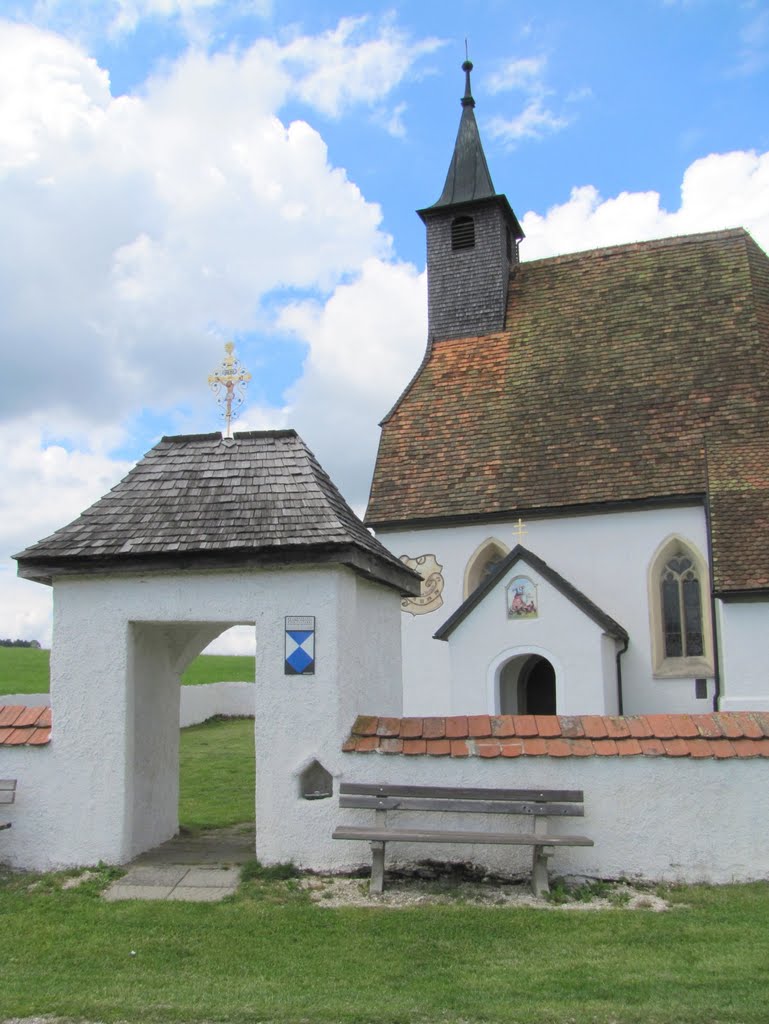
[[468, 176]]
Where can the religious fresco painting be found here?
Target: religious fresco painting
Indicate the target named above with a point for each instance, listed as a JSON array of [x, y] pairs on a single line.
[[300, 645], [430, 598], [521, 595]]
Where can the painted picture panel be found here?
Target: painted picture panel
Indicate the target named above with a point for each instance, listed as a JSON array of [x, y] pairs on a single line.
[[521, 595], [300, 645]]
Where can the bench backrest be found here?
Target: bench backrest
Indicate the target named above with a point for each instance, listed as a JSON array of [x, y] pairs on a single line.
[[7, 791], [536, 802]]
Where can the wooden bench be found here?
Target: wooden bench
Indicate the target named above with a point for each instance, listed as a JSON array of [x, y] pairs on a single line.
[[7, 796], [539, 804]]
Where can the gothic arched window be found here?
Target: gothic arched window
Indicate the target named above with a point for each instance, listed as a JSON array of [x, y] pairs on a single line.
[[681, 608], [680, 612], [482, 564]]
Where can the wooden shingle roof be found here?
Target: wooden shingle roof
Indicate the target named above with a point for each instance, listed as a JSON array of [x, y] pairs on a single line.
[[200, 501], [613, 366]]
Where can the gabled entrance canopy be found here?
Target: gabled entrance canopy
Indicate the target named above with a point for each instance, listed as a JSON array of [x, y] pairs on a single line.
[[569, 591]]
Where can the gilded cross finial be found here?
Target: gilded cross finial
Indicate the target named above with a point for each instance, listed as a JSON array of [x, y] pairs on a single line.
[[228, 383], [519, 530]]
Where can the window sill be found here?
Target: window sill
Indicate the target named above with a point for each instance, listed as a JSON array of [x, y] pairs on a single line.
[[684, 668]]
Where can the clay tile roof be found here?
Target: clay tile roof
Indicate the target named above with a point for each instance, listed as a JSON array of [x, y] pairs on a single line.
[[24, 726], [722, 735], [612, 367], [738, 497], [261, 495]]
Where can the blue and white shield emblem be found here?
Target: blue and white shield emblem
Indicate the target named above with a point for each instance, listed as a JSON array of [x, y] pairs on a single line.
[[300, 645]]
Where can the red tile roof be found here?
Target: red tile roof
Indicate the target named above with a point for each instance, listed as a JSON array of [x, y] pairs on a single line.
[[612, 367], [738, 496], [718, 735], [22, 726]]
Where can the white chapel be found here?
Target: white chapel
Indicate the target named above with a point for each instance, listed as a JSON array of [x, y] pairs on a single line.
[[579, 469]]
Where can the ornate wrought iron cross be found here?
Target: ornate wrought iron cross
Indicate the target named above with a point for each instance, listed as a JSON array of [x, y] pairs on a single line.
[[228, 383]]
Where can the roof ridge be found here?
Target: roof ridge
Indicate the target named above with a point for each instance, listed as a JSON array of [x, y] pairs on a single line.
[[649, 243]]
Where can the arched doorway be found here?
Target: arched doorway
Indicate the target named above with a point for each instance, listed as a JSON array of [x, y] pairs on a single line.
[[527, 686]]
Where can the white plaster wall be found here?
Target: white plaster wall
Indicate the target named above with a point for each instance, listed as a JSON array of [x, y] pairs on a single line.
[[119, 646], [304, 718], [196, 703], [153, 738], [199, 703], [563, 634], [744, 644], [29, 839], [655, 818], [606, 556]]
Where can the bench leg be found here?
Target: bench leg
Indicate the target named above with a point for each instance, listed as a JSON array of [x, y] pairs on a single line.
[[377, 867], [539, 883]]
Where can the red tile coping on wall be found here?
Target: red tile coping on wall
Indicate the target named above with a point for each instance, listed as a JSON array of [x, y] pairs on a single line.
[[22, 726], [719, 735]]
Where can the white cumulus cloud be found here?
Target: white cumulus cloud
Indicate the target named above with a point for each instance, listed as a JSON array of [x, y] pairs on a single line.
[[718, 191]]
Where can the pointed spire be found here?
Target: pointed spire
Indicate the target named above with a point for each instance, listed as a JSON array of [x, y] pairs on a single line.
[[468, 176]]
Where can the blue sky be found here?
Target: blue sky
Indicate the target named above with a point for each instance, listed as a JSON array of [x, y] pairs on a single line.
[[178, 173]]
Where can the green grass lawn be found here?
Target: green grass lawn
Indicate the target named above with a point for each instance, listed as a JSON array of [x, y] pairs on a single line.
[[25, 670], [268, 954], [216, 773]]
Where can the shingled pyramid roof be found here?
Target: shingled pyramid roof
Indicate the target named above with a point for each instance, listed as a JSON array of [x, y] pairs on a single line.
[[612, 367], [200, 501]]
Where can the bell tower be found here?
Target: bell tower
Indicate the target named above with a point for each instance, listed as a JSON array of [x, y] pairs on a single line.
[[472, 240]]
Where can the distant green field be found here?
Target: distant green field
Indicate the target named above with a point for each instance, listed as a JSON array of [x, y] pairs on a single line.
[[25, 670], [220, 668]]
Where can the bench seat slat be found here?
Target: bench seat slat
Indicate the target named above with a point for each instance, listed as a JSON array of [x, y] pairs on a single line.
[[414, 803], [7, 784], [461, 792], [417, 835], [6, 797]]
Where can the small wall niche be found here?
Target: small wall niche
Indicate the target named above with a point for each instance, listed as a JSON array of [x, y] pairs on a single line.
[[315, 783]]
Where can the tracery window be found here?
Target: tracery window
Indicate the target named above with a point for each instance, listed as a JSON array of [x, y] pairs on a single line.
[[681, 609], [679, 612]]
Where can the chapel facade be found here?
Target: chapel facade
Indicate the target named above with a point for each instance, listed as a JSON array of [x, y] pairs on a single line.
[[579, 469]]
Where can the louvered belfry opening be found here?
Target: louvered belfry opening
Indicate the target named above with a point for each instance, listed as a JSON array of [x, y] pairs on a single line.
[[462, 233]]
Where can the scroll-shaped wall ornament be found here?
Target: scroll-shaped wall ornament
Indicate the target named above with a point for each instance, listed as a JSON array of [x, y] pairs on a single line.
[[432, 585]]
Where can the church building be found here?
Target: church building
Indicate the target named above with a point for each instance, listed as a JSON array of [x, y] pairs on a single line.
[[578, 469]]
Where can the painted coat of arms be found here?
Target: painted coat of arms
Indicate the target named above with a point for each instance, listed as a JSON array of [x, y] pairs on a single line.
[[521, 595], [432, 585]]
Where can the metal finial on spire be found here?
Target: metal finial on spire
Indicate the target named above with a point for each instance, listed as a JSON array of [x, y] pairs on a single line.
[[228, 383], [467, 67]]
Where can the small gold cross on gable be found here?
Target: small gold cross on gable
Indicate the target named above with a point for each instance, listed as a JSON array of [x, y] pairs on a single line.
[[519, 530]]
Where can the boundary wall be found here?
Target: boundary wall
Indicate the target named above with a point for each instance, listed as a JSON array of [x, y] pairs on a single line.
[[196, 703]]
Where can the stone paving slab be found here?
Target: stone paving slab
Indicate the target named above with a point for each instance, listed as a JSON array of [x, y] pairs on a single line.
[[151, 874], [212, 877], [137, 892], [200, 893], [202, 868]]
